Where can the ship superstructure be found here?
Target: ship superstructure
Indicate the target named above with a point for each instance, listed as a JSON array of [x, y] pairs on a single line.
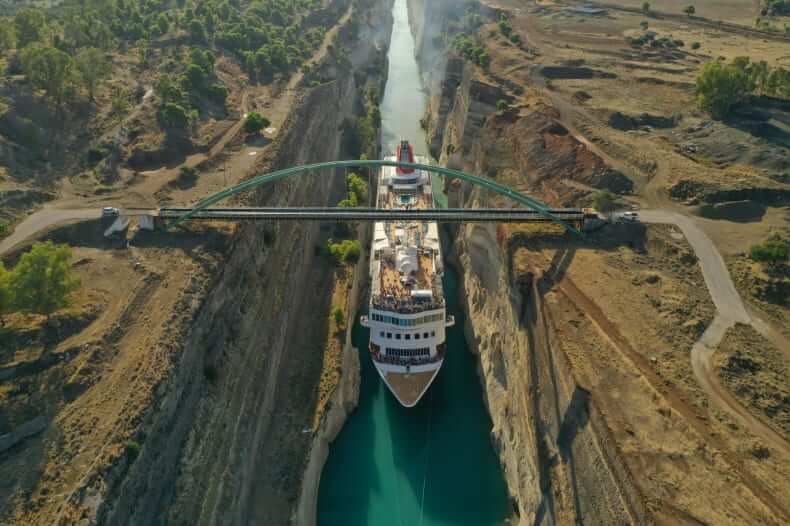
[[407, 317]]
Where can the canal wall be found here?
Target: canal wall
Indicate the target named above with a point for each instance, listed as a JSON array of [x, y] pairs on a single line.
[[223, 442], [560, 461]]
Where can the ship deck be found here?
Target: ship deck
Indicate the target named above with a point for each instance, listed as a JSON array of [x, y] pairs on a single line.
[[391, 284], [409, 387]]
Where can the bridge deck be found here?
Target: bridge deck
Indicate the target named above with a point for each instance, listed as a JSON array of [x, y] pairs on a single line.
[[498, 215]]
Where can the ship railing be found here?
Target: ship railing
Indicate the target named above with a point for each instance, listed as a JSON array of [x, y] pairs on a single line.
[[379, 357], [405, 305]]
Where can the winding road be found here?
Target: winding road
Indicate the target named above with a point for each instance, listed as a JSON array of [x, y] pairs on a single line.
[[729, 311]]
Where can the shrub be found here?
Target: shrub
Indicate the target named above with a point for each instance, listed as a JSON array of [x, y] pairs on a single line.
[[501, 105], [42, 281], [772, 252], [210, 373], [346, 251], [132, 450], [340, 318], [255, 122], [720, 87], [174, 115], [696, 45], [604, 201]]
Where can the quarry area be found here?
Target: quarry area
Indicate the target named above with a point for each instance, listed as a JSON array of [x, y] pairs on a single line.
[[638, 375]]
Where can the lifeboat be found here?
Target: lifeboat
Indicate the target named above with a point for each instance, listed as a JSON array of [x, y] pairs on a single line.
[[405, 155]]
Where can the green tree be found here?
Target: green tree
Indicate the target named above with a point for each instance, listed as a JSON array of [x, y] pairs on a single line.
[[346, 251], [30, 26], [690, 10], [644, 25], [174, 115], [93, 67], [604, 201], [357, 187], [646, 8], [771, 252], [340, 318], [255, 122], [6, 293], [7, 35], [49, 69], [720, 87], [696, 45], [43, 281]]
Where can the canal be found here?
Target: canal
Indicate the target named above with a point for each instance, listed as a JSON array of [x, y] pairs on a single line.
[[432, 465]]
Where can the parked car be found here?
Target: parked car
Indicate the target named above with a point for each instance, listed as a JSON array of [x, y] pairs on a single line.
[[631, 217], [110, 211]]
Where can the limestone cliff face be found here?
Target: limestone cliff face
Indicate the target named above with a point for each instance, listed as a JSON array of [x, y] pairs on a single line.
[[560, 463], [214, 450]]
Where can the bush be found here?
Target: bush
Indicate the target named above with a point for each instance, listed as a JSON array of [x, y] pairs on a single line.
[[42, 281], [696, 45], [210, 373], [132, 450], [720, 87], [604, 201], [174, 115], [255, 122], [501, 105], [772, 252], [346, 251], [340, 318]]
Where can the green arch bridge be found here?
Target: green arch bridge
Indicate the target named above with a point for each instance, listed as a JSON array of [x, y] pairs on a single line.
[[540, 208]]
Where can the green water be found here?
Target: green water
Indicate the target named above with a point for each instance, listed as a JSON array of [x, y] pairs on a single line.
[[432, 465]]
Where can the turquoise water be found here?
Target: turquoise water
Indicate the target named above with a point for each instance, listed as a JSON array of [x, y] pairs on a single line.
[[432, 465]]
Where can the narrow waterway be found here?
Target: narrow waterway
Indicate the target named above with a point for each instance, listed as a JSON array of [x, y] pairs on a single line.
[[432, 465]]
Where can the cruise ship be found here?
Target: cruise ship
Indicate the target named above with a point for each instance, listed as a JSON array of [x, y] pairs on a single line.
[[407, 317]]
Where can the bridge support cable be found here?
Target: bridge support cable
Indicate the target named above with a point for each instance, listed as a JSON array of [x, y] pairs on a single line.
[[482, 182]]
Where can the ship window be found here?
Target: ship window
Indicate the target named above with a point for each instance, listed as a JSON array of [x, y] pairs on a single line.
[[417, 336], [425, 335], [433, 333], [389, 335], [397, 336], [408, 336], [381, 334]]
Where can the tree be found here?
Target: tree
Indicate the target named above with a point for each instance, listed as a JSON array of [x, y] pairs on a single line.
[[30, 26], [93, 67], [6, 293], [720, 87], [49, 69], [174, 115], [255, 122], [7, 35], [690, 10], [646, 8], [644, 25], [772, 252], [42, 281], [696, 45], [604, 201], [357, 188], [346, 251], [340, 318]]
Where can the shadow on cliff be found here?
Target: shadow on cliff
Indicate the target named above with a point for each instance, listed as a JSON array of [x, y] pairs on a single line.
[[350, 479], [442, 447]]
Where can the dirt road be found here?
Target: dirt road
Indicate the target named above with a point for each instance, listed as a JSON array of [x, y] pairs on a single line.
[[44, 219], [730, 310]]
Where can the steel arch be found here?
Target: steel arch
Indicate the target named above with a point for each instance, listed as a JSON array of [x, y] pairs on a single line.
[[488, 184]]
